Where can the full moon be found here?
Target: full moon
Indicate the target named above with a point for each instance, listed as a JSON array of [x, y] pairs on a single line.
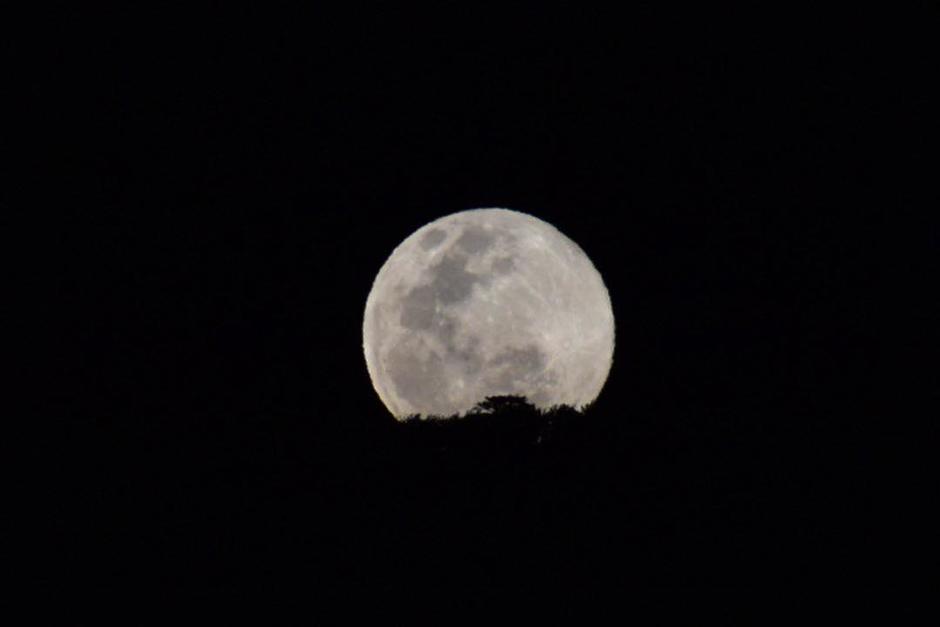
[[487, 302]]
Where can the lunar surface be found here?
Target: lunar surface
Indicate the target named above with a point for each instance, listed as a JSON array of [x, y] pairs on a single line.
[[487, 302]]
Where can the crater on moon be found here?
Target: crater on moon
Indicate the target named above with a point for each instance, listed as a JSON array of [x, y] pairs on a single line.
[[503, 265], [417, 375], [450, 281], [474, 240], [487, 302], [511, 371], [432, 239]]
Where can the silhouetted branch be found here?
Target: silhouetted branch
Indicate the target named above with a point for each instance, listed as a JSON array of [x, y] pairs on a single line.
[[495, 421]]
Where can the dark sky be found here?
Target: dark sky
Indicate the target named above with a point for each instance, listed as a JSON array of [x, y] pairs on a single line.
[[218, 193]]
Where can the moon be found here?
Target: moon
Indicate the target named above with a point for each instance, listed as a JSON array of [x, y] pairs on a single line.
[[487, 302]]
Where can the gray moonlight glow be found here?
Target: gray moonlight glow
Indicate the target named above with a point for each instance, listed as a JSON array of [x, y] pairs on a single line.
[[487, 302]]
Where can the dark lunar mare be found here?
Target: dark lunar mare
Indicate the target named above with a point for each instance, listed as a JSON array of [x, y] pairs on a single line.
[[425, 309]]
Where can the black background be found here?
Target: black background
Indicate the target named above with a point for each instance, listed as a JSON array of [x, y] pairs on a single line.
[[219, 191]]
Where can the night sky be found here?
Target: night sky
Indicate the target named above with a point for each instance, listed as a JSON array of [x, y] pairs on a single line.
[[220, 191]]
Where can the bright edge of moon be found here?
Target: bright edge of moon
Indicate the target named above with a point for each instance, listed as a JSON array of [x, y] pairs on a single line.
[[487, 302]]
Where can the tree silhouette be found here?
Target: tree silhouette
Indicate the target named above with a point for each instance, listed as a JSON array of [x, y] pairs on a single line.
[[497, 420], [505, 405]]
